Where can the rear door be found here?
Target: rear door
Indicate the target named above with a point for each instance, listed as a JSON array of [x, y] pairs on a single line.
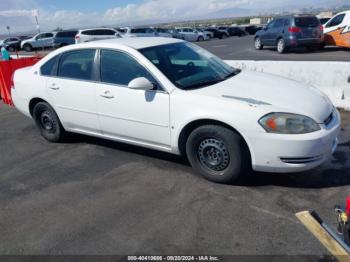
[[337, 30], [72, 91], [266, 36]]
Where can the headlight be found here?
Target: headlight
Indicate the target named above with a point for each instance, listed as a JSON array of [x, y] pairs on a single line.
[[284, 123]]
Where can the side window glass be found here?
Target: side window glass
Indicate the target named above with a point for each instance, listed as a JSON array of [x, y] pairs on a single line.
[[336, 20], [77, 64], [278, 23], [271, 24], [119, 68], [49, 68]]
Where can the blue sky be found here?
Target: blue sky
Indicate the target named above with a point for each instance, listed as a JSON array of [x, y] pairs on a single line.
[[87, 13]]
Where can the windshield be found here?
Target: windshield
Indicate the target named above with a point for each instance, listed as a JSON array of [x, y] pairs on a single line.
[[188, 66]]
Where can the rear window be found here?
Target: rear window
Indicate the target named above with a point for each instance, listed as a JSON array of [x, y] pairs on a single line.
[[307, 21]]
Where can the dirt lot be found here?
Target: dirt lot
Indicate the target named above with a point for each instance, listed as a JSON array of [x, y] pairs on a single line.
[[91, 196]]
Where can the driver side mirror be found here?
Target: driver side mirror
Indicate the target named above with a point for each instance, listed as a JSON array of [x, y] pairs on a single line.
[[141, 83], [265, 28]]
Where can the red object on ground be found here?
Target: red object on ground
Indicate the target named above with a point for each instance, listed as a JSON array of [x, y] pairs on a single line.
[[7, 68], [347, 208]]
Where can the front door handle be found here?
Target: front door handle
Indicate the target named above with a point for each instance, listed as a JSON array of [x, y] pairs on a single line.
[[107, 94]]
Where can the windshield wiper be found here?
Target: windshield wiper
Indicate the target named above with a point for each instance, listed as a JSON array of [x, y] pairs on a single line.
[[233, 73], [203, 84]]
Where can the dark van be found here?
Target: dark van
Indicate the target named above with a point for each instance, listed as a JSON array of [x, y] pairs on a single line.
[[64, 38]]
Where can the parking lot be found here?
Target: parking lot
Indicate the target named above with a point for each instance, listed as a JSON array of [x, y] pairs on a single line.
[[242, 48], [90, 196]]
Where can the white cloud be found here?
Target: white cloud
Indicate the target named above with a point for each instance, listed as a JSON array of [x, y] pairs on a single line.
[[18, 12]]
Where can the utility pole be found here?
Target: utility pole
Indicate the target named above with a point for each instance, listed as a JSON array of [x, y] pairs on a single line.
[[35, 13]]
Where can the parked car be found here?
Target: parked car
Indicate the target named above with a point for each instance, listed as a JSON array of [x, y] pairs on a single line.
[[42, 40], [208, 33], [64, 38], [337, 30], [251, 29], [225, 30], [139, 32], [236, 31], [163, 32], [291, 31], [324, 20], [171, 95], [175, 33], [216, 33], [93, 34], [192, 35], [11, 44]]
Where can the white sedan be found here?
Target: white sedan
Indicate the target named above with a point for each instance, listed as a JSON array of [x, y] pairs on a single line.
[[174, 96]]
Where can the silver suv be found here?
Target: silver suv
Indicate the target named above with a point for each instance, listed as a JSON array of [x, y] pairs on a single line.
[[41, 40]]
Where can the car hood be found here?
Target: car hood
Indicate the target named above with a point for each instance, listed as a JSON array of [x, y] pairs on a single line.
[[280, 93]]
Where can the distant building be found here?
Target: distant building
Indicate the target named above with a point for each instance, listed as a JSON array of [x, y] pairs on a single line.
[[259, 20], [325, 14]]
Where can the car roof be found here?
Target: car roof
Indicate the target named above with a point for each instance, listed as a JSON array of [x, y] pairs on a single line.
[[133, 42], [97, 28]]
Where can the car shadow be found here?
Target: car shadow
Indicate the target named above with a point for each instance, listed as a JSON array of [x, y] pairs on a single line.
[[303, 50], [335, 174]]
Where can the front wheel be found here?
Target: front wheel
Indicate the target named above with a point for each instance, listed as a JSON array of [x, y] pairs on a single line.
[[200, 39], [216, 153], [27, 48], [48, 122]]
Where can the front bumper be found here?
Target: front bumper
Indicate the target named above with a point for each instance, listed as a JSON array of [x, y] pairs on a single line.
[[294, 153]]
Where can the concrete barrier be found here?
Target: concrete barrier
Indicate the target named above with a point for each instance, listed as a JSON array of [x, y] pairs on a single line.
[[332, 78]]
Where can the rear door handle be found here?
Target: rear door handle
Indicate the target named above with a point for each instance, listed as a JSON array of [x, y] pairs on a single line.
[[107, 94]]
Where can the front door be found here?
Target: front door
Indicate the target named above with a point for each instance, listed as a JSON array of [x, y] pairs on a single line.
[[128, 114], [337, 31]]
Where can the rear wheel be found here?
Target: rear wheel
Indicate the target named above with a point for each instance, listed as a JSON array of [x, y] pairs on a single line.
[[200, 39], [257, 43], [224, 36], [27, 48], [216, 153], [11, 49], [281, 46], [48, 122]]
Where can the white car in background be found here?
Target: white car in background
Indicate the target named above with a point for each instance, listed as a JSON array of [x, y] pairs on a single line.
[[192, 35], [163, 32], [138, 32], [171, 95], [42, 40], [93, 34]]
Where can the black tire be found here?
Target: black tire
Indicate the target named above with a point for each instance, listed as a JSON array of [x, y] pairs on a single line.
[[200, 39], [217, 153], [312, 48], [224, 36], [27, 48], [257, 44], [48, 122], [11, 49], [281, 46]]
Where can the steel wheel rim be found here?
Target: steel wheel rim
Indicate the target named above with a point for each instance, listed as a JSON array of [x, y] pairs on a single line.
[[47, 122], [213, 154]]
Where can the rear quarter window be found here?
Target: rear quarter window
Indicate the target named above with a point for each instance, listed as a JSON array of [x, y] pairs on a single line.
[[307, 21], [50, 67]]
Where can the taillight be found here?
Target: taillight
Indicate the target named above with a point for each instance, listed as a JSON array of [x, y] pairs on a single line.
[[77, 37], [294, 29], [321, 27]]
